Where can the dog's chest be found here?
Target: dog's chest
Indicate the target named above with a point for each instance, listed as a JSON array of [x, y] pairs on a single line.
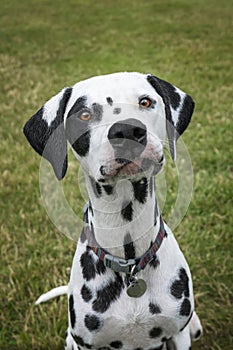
[[101, 313]]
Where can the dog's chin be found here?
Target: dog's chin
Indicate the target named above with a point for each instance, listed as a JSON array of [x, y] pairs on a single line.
[[128, 169]]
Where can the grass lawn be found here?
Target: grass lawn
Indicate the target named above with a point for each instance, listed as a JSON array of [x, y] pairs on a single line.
[[45, 45]]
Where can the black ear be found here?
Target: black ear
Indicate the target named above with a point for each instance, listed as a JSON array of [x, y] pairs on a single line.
[[178, 109], [45, 132]]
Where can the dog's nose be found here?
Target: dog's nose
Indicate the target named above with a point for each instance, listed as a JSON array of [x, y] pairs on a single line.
[[128, 139]]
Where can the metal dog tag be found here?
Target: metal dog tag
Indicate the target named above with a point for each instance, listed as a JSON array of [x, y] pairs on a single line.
[[137, 288]]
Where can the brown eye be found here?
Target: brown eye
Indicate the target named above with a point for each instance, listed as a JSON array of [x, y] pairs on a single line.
[[85, 115], [145, 102]]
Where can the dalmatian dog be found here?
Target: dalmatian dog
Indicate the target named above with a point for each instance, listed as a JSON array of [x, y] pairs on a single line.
[[130, 286]]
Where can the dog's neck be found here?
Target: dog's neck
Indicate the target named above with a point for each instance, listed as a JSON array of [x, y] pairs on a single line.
[[124, 216]]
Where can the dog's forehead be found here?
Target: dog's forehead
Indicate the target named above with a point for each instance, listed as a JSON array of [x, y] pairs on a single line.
[[113, 88]]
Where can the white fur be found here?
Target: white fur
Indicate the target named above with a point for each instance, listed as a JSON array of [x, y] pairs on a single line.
[[51, 107]]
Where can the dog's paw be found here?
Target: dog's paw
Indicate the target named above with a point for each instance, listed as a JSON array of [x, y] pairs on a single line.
[[195, 327]]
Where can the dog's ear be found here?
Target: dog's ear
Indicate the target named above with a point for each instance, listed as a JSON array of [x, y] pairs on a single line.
[[178, 109], [45, 132]]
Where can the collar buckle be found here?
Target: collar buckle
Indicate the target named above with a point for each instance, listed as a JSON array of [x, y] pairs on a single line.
[[118, 264]]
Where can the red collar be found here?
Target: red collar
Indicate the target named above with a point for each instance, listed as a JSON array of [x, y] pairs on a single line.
[[118, 264]]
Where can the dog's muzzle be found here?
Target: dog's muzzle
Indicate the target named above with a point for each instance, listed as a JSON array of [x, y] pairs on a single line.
[[128, 139]]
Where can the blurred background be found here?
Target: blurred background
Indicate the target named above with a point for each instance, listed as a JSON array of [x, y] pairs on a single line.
[[46, 45]]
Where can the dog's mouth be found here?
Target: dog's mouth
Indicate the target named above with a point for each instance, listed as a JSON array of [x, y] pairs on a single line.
[[121, 167]]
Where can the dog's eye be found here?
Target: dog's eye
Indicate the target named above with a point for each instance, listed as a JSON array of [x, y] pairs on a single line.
[[145, 102], [85, 115]]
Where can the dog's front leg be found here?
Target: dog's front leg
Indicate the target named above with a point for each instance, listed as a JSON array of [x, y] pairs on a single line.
[[70, 343], [180, 341]]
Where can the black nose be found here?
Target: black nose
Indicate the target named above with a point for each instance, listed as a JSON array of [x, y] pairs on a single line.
[[128, 139]]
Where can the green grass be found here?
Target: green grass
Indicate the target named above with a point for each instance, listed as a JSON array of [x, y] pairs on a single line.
[[46, 45]]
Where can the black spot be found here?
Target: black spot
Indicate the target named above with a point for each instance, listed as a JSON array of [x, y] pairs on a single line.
[[159, 87], [185, 115], [171, 345], [151, 186], [78, 105], [180, 286], [156, 213], [185, 307], [116, 344], [127, 280], [138, 349], [155, 261], [82, 144], [108, 294], [177, 289], [140, 190], [154, 308], [129, 253], [92, 322], [78, 340], [129, 247], [98, 111], [197, 334], [174, 96], [77, 131], [72, 311], [91, 209], [164, 339], [108, 189], [86, 293], [88, 267], [104, 348], [92, 229], [96, 187], [164, 88], [100, 267], [85, 215], [127, 211], [109, 100], [185, 279], [155, 332], [83, 236], [117, 110]]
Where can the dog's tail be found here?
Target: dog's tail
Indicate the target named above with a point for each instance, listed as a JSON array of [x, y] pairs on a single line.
[[53, 293]]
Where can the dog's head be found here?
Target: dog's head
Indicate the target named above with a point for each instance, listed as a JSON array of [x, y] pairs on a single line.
[[116, 124]]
